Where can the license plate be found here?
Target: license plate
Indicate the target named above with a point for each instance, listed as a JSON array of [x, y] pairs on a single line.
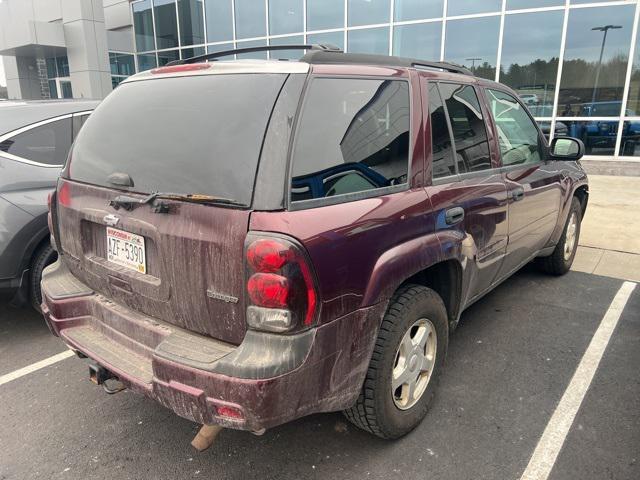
[[126, 249]]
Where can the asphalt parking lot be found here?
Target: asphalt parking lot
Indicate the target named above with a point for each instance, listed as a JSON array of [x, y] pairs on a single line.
[[509, 364]]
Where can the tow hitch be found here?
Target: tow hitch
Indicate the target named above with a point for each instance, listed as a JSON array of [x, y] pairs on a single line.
[[100, 376]]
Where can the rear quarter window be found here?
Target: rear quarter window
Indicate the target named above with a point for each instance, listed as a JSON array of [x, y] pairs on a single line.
[[47, 143], [352, 137]]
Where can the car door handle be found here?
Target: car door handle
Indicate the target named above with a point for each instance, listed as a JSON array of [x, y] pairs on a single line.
[[454, 215], [517, 194]]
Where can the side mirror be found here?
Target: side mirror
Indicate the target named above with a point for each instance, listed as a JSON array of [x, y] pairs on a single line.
[[566, 148]]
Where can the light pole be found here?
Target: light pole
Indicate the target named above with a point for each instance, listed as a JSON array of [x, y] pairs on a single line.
[[473, 62], [605, 29]]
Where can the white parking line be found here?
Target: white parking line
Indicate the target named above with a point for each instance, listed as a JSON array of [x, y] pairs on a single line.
[[549, 445], [35, 366]]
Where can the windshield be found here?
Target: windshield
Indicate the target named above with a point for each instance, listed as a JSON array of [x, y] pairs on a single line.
[[188, 135]]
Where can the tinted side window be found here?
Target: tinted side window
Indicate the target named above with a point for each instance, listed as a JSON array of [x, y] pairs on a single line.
[[48, 143], [517, 134], [353, 136], [78, 122], [442, 163], [469, 131]]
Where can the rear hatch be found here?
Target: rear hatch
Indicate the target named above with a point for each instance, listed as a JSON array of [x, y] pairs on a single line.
[[178, 257]]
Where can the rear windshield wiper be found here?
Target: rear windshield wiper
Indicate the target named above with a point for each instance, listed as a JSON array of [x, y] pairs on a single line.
[[127, 202]]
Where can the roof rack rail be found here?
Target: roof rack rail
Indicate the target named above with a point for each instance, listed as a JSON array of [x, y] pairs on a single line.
[[446, 66], [264, 48]]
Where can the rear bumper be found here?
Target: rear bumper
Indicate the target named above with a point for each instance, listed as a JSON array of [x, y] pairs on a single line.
[[271, 379]]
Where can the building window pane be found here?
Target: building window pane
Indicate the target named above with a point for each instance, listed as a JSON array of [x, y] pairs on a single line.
[[467, 7], [419, 40], [599, 137], [51, 68], [63, 66], [166, 23], [369, 40], [467, 125], [530, 62], [633, 102], [167, 56], [353, 136], [53, 90], [518, 4], [287, 54], [115, 81], [219, 20], [252, 43], [66, 89], [122, 64], [191, 22], [630, 145], [474, 43], [417, 9], [146, 62], [250, 18], [366, 12], [591, 86], [574, 2], [328, 38], [48, 143], [325, 14], [143, 25], [285, 16], [192, 52]]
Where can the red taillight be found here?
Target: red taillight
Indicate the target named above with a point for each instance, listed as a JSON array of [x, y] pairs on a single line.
[[64, 195], [268, 255], [230, 412], [268, 290], [181, 68], [280, 284]]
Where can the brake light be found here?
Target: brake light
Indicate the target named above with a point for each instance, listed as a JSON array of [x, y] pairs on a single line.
[[181, 68], [280, 284], [64, 195], [224, 411]]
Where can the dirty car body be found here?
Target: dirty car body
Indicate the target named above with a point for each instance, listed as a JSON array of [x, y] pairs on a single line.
[[259, 296]]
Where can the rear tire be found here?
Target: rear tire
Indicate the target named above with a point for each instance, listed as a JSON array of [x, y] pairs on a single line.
[[43, 257], [416, 314], [559, 262]]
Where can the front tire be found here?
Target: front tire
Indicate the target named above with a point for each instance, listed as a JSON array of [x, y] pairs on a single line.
[[43, 257], [560, 261], [407, 361]]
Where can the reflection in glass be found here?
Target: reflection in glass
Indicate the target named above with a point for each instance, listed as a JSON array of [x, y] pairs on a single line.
[[328, 38], [518, 4], [467, 126], [164, 12], [417, 9], [250, 18], [167, 56], [473, 43], [467, 7], [633, 101], [369, 40], [325, 14], [143, 26], [287, 54], [418, 40], [63, 66], [442, 161], [561, 130], [285, 16], [595, 61], [530, 62], [353, 136], [630, 145], [146, 62], [599, 137], [368, 12], [252, 43], [219, 20], [190, 15]]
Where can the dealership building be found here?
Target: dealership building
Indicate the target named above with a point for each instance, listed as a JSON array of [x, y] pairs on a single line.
[[575, 63]]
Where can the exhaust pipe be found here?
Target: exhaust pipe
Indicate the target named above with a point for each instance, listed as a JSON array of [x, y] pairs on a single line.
[[100, 376]]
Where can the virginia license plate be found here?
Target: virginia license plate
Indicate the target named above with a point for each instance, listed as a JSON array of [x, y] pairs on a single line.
[[126, 249]]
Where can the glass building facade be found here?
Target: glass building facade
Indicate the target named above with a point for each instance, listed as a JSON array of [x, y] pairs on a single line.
[[575, 63]]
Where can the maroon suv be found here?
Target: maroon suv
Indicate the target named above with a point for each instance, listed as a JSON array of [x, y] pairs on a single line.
[[248, 242]]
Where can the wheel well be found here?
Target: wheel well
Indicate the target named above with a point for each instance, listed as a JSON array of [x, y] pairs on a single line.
[[582, 194], [445, 278]]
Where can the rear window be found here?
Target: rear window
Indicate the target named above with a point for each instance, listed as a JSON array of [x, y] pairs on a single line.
[[187, 135], [353, 136]]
